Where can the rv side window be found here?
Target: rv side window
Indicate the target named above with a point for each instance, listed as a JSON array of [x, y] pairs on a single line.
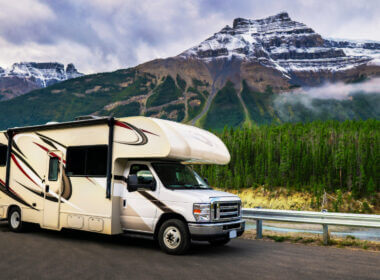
[[3, 155], [53, 169], [87, 161]]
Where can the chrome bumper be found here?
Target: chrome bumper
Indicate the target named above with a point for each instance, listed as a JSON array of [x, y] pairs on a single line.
[[216, 229]]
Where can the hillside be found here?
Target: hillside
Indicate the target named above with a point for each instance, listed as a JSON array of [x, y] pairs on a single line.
[[239, 75]]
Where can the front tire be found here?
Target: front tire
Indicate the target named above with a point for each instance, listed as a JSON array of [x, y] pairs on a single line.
[[219, 242], [14, 220], [174, 237]]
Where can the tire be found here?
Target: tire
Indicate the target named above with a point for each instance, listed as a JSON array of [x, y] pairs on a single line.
[[219, 242], [174, 237], [14, 220]]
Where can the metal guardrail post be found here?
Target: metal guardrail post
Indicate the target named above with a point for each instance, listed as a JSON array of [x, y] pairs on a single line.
[[326, 236], [259, 229]]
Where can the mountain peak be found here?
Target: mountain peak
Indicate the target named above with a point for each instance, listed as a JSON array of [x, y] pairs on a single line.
[[284, 44], [283, 16], [43, 72], [25, 76]]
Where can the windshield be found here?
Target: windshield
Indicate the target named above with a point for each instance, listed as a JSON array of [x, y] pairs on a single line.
[[179, 176]]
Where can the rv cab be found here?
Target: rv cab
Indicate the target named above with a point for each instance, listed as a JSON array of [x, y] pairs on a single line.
[[116, 176], [154, 189]]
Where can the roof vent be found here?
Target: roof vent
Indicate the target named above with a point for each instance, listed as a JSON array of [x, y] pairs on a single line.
[[88, 117]]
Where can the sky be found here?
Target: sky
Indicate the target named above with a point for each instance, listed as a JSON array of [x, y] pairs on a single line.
[[105, 35]]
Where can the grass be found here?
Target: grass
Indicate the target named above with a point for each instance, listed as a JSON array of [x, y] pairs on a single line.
[[316, 240], [164, 93], [174, 112], [195, 105], [282, 199], [225, 109], [131, 109], [257, 104], [181, 83]]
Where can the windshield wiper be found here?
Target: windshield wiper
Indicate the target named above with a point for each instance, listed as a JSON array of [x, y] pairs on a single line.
[[189, 186], [182, 185]]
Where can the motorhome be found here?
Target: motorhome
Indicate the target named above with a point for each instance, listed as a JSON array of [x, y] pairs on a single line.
[[117, 175]]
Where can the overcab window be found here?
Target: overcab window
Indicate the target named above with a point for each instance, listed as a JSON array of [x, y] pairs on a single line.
[[87, 161]]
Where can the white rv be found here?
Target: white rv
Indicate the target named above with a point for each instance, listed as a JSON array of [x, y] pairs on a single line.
[[113, 176]]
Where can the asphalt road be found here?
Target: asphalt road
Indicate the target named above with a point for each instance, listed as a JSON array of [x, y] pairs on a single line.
[[43, 254]]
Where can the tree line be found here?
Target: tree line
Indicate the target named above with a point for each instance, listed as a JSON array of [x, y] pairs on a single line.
[[329, 156]]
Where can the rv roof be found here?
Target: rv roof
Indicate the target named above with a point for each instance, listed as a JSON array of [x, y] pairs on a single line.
[[172, 140], [177, 141], [47, 126]]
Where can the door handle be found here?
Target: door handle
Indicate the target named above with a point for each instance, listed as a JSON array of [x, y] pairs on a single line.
[[47, 188]]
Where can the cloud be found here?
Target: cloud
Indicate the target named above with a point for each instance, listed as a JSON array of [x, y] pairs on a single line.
[[314, 99], [101, 35], [340, 90]]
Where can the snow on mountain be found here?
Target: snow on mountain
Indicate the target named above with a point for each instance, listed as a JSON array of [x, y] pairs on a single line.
[[43, 74], [284, 44]]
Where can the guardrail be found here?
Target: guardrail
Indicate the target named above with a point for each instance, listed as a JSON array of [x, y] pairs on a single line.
[[308, 217]]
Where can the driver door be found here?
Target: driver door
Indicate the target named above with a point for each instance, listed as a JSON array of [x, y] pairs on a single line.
[[138, 211]]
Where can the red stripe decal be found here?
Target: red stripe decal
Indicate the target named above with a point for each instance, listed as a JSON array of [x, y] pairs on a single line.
[[51, 153], [146, 131], [121, 124], [10, 189], [42, 147], [22, 170]]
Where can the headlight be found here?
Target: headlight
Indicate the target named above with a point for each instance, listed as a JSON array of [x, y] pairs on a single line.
[[201, 212]]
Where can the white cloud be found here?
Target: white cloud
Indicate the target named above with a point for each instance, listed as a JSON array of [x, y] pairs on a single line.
[[23, 12], [99, 35], [341, 90]]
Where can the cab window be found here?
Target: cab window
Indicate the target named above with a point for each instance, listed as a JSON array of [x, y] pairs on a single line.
[[143, 173]]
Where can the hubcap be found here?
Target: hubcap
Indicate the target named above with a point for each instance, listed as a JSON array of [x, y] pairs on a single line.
[[172, 237], [15, 219]]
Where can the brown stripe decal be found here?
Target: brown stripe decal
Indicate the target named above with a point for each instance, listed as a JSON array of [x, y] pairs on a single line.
[[12, 194], [26, 163], [51, 144], [40, 193], [156, 202], [163, 207], [22, 170], [50, 139]]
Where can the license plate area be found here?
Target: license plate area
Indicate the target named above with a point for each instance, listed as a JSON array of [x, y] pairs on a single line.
[[233, 234]]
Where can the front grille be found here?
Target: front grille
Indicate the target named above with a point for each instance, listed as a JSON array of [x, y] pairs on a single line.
[[225, 210]]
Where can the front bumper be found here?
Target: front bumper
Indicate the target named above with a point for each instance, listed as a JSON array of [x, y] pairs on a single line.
[[209, 231]]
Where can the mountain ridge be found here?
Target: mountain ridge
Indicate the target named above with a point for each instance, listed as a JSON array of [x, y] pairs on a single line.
[[23, 77], [239, 81]]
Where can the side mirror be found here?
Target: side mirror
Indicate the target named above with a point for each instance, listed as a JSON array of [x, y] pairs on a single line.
[[153, 185], [206, 181], [132, 183]]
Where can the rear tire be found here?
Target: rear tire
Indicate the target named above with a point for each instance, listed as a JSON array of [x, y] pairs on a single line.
[[14, 220], [174, 237], [219, 242]]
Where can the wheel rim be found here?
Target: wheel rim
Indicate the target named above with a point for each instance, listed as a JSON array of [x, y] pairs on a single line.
[[15, 219], [172, 237]]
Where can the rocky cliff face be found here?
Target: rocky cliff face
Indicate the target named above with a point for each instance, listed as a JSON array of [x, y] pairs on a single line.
[[23, 77], [285, 45]]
